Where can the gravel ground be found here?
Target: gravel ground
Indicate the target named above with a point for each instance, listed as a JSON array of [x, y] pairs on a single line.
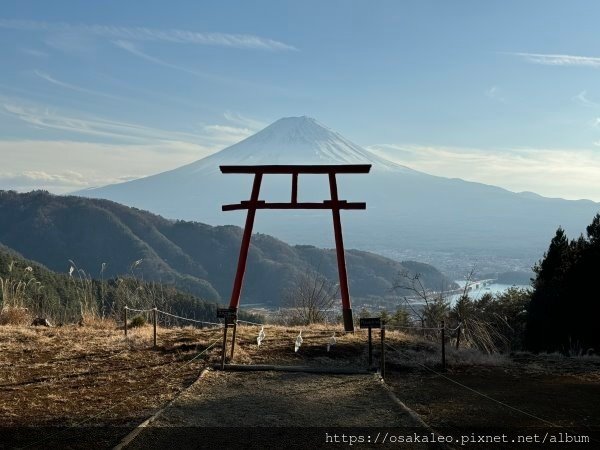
[[267, 404]]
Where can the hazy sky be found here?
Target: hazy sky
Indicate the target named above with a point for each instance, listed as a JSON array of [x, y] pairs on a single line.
[[505, 93]]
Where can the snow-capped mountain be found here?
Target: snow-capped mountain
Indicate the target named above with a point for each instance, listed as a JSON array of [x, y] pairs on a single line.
[[299, 140], [407, 210], [291, 140], [196, 191]]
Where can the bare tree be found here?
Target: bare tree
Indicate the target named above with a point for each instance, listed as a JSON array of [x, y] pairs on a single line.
[[309, 297], [436, 306]]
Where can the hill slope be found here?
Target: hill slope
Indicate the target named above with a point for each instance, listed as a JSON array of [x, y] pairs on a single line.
[[195, 257], [58, 296]]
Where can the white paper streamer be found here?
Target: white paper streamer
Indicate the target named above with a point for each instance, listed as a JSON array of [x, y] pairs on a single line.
[[298, 342], [261, 336], [332, 341]]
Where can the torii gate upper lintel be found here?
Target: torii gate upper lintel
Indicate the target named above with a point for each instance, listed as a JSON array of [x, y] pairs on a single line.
[[334, 204]]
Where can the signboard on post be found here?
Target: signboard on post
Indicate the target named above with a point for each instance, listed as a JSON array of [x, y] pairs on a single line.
[[370, 322], [229, 314]]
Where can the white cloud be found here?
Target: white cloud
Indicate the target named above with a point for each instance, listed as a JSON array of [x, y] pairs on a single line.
[[34, 52], [73, 87], [494, 93], [238, 128], [566, 173], [210, 137], [44, 117], [559, 60], [583, 99], [227, 134], [34, 178], [244, 41], [64, 166], [135, 50], [134, 151], [240, 120]]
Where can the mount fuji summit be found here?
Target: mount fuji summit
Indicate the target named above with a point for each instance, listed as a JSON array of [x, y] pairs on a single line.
[[408, 212]]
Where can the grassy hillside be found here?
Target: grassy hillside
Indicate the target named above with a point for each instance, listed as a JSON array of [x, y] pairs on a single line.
[[195, 257], [65, 298]]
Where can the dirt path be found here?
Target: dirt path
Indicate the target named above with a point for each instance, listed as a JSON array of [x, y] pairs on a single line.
[[260, 401]]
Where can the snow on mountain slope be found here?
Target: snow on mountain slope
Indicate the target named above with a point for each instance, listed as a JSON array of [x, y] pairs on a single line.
[[292, 140]]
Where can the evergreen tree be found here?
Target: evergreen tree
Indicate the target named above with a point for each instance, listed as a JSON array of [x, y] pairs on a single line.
[[564, 304]]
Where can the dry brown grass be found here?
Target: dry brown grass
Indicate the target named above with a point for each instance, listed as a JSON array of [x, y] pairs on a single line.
[[94, 375], [15, 315], [68, 375], [98, 323]]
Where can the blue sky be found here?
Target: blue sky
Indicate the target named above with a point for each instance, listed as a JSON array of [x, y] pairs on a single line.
[[506, 93]]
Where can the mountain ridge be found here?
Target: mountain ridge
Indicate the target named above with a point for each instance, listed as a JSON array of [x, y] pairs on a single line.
[[192, 256]]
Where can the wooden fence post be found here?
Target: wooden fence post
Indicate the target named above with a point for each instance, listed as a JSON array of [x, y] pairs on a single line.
[[233, 338], [224, 350], [382, 349], [125, 318], [370, 349], [154, 323], [443, 345]]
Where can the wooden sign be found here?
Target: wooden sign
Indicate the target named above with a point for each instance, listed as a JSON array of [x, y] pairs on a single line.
[[229, 314], [370, 322]]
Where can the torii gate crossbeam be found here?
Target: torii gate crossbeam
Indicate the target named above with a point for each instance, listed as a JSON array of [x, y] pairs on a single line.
[[334, 204]]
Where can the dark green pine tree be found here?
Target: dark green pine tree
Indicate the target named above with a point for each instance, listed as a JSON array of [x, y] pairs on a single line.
[[593, 232], [582, 284], [544, 312], [565, 303]]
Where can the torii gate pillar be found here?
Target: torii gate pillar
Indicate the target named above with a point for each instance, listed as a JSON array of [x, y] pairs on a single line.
[[335, 205]]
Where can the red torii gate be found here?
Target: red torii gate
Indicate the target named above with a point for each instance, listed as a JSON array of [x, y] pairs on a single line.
[[335, 205]]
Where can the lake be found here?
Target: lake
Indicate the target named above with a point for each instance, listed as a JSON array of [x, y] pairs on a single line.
[[494, 288]]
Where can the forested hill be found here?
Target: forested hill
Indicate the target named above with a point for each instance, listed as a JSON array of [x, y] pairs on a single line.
[[195, 257], [64, 298]]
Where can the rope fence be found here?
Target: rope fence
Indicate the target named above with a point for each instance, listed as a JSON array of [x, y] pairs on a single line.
[[252, 323], [138, 310], [479, 393], [328, 335], [406, 327], [202, 322], [212, 326]]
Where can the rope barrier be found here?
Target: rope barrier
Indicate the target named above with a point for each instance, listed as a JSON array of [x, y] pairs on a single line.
[[393, 327], [480, 393], [455, 328], [69, 427], [320, 332], [252, 323], [175, 316], [137, 310], [191, 320]]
